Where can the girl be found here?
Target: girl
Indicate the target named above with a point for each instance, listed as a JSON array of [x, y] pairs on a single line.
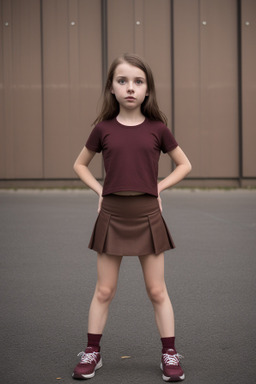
[[131, 132]]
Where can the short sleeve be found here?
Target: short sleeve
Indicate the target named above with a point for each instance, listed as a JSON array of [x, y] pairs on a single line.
[[168, 142], [94, 140]]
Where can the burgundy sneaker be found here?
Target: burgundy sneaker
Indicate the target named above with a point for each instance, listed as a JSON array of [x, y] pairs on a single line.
[[89, 363], [170, 366]]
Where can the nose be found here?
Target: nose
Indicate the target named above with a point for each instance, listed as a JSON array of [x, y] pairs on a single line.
[[130, 87]]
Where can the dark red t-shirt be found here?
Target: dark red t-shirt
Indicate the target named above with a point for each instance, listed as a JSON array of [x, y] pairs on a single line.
[[131, 154]]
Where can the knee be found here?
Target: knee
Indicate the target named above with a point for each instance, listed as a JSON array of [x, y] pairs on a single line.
[[105, 294], [157, 294]]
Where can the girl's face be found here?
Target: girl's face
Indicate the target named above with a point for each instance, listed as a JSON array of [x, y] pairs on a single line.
[[129, 86]]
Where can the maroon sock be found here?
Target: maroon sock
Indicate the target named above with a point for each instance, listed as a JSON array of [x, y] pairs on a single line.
[[168, 343], [94, 341]]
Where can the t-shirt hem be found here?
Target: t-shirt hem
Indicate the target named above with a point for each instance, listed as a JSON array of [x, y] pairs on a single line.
[[170, 148]]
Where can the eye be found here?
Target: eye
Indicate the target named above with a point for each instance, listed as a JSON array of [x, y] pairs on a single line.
[[121, 81], [139, 81]]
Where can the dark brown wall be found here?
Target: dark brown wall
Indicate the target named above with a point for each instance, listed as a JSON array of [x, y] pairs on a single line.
[[21, 151], [72, 80], [206, 86], [248, 58], [54, 55]]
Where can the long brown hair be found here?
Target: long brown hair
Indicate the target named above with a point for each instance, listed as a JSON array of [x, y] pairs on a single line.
[[149, 107]]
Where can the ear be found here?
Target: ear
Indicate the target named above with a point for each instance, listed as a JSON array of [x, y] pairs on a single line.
[[147, 94], [112, 91]]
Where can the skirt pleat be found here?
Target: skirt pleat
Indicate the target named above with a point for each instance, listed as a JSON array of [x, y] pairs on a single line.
[[130, 226], [100, 232]]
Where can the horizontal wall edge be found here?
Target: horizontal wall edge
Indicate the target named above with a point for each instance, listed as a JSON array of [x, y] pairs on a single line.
[[76, 183]]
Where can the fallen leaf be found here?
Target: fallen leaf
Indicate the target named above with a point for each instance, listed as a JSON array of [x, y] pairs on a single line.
[[125, 357]]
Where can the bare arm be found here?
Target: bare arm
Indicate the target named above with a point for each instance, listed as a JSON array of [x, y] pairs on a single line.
[[183, 167], [82, 170]]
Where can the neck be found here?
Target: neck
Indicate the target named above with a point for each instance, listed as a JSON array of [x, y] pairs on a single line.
[[130, 117]]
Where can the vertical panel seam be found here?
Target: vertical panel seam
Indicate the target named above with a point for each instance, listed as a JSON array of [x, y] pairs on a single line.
[[172, 74], [104, 47], [133, 27], [104, 38], [3, 70], [199, 71], [42, 89], [240, 99]]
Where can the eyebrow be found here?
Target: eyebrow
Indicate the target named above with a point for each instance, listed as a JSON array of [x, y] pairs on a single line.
[[125, 77]]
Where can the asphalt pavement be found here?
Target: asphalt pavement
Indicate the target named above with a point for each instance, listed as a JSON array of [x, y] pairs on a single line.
[[48, 277]]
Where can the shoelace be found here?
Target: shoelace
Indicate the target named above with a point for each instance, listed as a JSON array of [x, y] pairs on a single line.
[[88, 357], [172, 359]]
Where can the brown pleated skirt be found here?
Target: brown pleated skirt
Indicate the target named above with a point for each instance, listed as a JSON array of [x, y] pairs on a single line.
[[130, 226]]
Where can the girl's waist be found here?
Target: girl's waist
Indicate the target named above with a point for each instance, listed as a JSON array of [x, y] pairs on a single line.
[[130, 205]]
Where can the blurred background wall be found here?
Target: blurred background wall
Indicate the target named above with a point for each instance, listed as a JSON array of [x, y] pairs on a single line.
[[54, 56]]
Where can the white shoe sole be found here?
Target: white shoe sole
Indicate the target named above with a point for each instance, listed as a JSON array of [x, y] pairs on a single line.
[[98, 366], [166, 378]]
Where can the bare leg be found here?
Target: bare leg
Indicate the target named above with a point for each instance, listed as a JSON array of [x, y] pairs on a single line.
[[108, 270], [153, 271]]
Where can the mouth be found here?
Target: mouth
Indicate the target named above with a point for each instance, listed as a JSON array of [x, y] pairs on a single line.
[[130, 98]]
